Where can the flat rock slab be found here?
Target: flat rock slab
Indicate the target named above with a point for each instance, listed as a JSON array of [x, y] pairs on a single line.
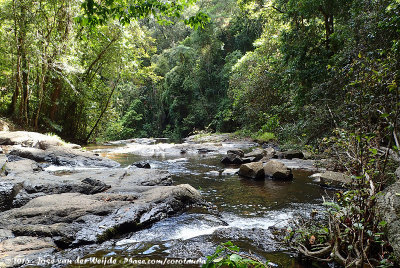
[[62, 156], [24, 250], [29, 139], [73, 219], [334, 179], [23, 184], [303, 164]]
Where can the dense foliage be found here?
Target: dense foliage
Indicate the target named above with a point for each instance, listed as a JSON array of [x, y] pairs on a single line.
[[291, 69]]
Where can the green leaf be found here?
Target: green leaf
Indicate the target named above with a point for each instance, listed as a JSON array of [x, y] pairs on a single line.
[[218, 259], [235, 258], [384, 115]]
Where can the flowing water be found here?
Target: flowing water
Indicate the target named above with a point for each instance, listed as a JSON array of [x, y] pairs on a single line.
[[247, 209]]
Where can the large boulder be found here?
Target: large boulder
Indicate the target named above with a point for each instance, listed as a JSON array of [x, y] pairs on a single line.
[[333, 179], [74, 219], [389, 208], [278, 170], [252, 170]]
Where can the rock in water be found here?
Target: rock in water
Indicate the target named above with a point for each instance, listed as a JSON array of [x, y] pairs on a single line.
[[142, 165], [237, 152], [278, 170], [252, 170], [289, 155], [74, 219], [232, 159], [256, 155], [331, 178]]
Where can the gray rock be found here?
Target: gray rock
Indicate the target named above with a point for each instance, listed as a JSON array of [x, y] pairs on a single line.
[[331, 178], [62, 156], [27, 185], [3, 165], [237, 152], [289, 155], [230, 171], [397, 172], [256, 154], [73, 219], [204, 150], [269, 152], [142, 165], [231, 159], [388, 206], [17, 251], [252, 170], [278, 170], [248, 160], [29, 139], [5, 234], [8, 191]]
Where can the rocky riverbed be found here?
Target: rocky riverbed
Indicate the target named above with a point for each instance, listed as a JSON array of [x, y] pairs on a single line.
[[92, 201], [59, 202]]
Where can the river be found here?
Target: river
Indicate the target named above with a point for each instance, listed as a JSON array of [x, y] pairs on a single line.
[[245, 211]]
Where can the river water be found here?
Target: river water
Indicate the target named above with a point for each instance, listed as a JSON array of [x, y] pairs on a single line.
[[245, 212]]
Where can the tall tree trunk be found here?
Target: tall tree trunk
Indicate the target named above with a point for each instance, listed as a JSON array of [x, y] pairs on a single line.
[[329, 26], [24, 66], [103, 111], [42, 83], [18, 65], [25, 87]]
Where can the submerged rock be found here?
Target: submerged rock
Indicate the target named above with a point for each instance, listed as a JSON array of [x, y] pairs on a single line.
[[278, 170], [252, 170]]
